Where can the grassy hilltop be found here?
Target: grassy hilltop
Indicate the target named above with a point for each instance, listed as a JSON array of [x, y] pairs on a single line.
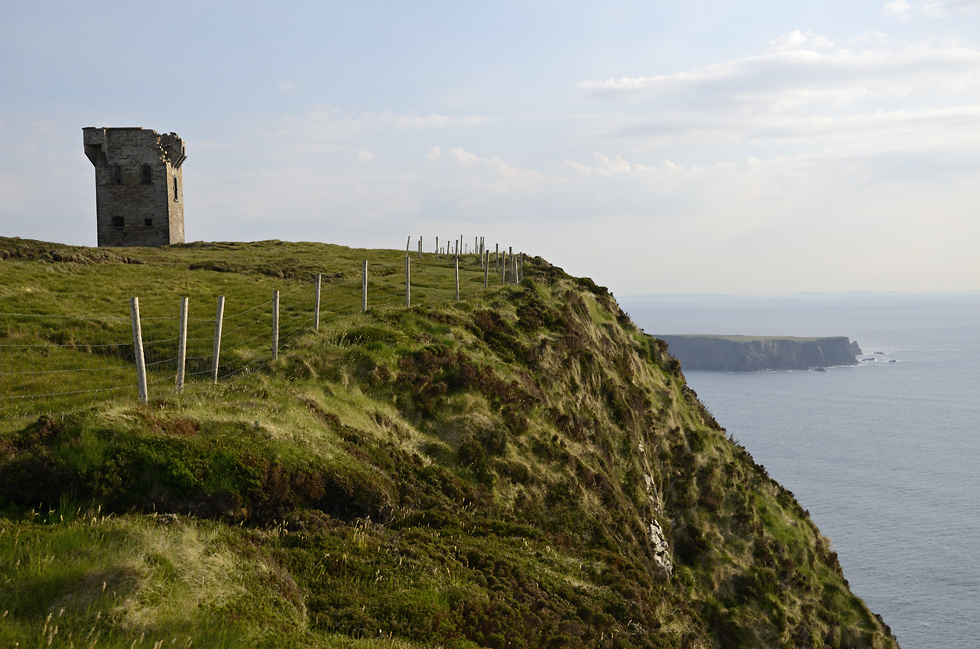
[[522, 468]]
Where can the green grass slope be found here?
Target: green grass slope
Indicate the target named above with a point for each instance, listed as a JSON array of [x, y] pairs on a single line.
[[523, 468]]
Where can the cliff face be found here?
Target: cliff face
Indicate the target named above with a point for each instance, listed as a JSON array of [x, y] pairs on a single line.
[[521, 469], [749, 354]]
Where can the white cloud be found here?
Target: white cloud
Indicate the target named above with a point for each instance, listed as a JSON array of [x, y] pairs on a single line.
[[365, 156], [286, 86], [472, 178], [870, 132], [797, 40], [463, 157], [942, 9], [606, 166], [790, 78], [900, 8], [296, 202], [326, 123], [434, 152]]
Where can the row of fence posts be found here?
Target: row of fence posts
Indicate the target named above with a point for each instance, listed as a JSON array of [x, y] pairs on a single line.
[[134, 310], [516, 264], [509, 263]]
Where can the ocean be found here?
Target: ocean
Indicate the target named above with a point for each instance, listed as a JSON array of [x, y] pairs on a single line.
[[884, 455]]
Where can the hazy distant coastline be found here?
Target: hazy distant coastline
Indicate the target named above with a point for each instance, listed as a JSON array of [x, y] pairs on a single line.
[[755, 353]]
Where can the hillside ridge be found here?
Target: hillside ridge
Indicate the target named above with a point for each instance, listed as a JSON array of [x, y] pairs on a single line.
[[521, 468]]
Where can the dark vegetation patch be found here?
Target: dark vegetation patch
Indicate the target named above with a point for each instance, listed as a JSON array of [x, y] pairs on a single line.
[[429, 376], [30, 250], [168, 466]]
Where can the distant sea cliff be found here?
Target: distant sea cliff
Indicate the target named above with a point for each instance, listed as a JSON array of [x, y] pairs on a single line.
[[755, 353]]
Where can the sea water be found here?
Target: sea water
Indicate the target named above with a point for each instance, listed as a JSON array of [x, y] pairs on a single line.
[[885, 455]]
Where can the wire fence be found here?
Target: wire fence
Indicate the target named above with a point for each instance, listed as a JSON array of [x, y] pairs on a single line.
[[56, 364]]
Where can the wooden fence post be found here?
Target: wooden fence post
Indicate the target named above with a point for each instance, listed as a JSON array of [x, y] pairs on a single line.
[[513, 260], [408, 281], [496, 258], [503, 269], [181, 344], [457, 278], [217, 338], [420, 248], [134, 313], [486, 269], [437, 247], [275, 325], [316, 305], [364, 287]]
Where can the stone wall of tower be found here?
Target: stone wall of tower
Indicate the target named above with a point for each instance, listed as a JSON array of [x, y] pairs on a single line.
[[139, 188]]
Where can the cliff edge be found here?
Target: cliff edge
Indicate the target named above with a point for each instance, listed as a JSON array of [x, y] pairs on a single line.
[[522, 467]]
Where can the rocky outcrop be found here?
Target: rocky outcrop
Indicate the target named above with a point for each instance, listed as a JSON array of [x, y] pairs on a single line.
[[752, 354]]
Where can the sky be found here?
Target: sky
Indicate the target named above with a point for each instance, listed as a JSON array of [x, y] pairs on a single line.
[[707, 146]]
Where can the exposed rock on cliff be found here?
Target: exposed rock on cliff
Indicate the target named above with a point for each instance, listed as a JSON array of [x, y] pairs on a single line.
[[751, 354]]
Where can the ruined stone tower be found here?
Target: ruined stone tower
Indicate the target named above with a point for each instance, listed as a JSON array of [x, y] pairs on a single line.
[[139, 189]]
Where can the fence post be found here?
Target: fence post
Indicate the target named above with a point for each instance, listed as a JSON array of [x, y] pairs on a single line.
[[181, 344], [437, 247], [364, 287], [275, 325], [486, 269], [409, 244], [513, 260], [457, 278], [134, 312], [217, 338], [496, 258], [503, 269], [408, 281], [316, 305], [420, 248]]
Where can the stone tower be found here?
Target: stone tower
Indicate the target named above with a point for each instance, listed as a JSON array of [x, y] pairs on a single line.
[[139, 188]]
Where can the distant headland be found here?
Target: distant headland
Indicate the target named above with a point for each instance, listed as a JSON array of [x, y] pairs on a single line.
[[755, 353]]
